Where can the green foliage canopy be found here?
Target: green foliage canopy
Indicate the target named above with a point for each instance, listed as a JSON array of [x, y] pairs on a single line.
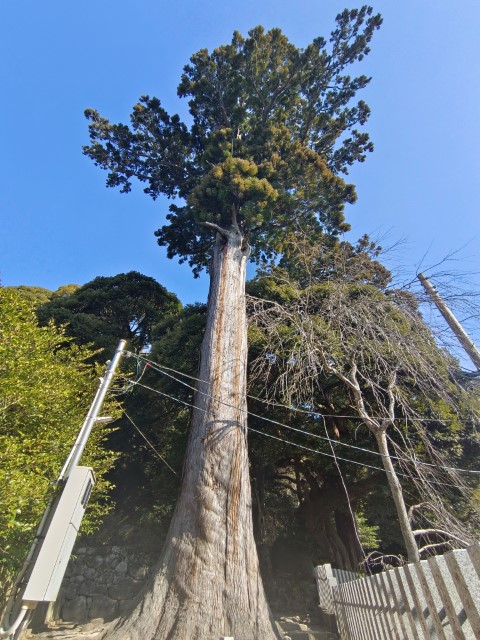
[[40, 295], [273, 128], [329, 333], [108, 309], [46, 390]]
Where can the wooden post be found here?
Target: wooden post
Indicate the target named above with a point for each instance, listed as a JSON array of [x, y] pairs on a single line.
[[452, 322]]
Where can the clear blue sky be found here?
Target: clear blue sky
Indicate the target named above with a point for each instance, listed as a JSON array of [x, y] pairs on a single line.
[[58, 222]]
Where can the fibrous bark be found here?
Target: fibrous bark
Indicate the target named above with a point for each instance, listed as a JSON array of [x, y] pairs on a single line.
[[207, 583], [332, 529]]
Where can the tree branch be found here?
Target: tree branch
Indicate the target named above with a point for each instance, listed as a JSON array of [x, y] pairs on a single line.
[[438, 532], [215, 227], [428, 547]]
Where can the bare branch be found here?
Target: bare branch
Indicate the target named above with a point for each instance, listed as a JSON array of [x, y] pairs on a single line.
[[215, 227], [335, 331], [435, 546], [439, 532]]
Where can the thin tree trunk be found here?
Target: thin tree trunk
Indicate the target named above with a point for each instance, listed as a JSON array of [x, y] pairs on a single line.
[[381, 437], [208, 583], [397, 494]]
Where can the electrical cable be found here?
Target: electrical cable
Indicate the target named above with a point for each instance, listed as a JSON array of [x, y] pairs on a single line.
[[188, 404], [16, 625], [322, 453], [129, 384], [156, 367], [148, 441], [275, 422], [347, 495]]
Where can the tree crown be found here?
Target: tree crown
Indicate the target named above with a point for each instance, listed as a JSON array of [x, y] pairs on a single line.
[[272, 129], [107, 309], [47, 386]]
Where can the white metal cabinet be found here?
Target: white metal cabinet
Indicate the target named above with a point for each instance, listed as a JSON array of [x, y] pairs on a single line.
[[51, 563]]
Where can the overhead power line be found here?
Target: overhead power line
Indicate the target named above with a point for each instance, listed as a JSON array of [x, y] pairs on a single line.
[[316, 451], [148, 441], [309, 412], [160, 369]]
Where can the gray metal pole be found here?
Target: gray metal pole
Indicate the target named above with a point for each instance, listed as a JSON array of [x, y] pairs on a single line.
[[451, 320], [91, 418]]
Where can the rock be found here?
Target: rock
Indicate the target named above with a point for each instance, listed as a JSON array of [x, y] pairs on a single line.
[[75, 610], [125, 590], [96, 589], [90, 574], [103, 606], [290, 625], [69, 590], [139, 573], [93, 625], [122, 567]]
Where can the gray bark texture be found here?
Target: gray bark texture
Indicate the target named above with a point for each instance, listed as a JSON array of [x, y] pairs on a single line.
[[397, 494], [208, 583], [462, 336]]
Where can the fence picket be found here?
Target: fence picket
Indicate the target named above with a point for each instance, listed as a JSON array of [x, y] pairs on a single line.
[[432, 607], [408, 604], [385, 603], [370, 609], [379, 610], [352, 622], [474, 554], [389, 577], [445, 598], [463, 590], [438, 598]]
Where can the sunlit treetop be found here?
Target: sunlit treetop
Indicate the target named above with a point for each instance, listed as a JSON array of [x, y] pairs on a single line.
[[273, 128], [127, 305]]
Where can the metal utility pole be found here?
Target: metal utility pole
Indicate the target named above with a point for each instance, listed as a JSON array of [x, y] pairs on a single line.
[[91, 418], [451, 320], [41, 575]]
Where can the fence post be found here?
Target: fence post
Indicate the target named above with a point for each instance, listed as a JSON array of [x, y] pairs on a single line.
[[331, 607]]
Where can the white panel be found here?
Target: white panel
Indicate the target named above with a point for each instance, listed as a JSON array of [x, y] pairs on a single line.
[[51, 563]]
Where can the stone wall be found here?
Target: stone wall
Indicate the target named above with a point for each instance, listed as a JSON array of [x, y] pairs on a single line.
[[108, 570], [102, 582]]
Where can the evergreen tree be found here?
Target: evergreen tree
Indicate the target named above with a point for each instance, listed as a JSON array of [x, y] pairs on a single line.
[[107, 309], [273, 128], [343, 341]]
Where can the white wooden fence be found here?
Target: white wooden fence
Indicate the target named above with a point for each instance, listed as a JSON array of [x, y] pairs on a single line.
[[437, 598]]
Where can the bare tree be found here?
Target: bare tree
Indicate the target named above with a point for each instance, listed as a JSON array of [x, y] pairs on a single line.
[[341, 321]]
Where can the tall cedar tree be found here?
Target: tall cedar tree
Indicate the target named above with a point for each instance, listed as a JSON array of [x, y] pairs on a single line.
[[272, 128]]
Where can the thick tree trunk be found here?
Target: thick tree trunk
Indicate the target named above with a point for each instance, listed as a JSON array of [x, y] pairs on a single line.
[[208, 583], [337, 545], [397, 494], [346, 529]]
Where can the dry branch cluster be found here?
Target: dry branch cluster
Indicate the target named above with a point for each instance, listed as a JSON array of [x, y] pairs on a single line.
[[374, 348]]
